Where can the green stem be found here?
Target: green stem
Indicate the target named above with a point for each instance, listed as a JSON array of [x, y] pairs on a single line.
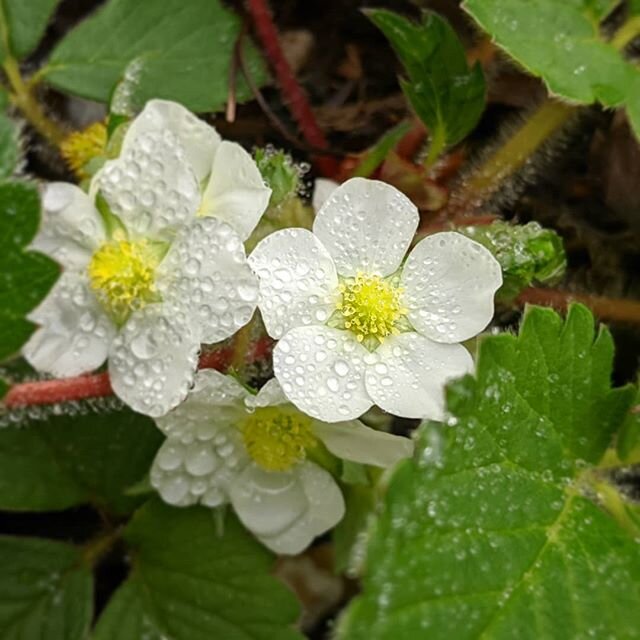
[[22, 95], [615, 505], [94, 550], [626, 33], [436, 146], [551, 116]]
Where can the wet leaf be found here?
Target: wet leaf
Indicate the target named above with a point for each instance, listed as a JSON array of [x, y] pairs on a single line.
[[68, 460], [447, 95], [26, 276], [492, 530], [46, 592], [9, 146], [182, 51], [561, 43], [24, 23], [188, 582], [629, 438]]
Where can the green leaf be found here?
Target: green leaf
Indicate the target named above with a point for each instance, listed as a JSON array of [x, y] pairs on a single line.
[[629, 437], [492, 531], [446, 94], [73, 459], [22, 24], [9, 146], [527, 254], [26, 276], [190, 583], [561, 43], [182, 52], [45, 591]]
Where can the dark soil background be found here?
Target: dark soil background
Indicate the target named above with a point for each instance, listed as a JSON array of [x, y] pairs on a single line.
[[585, 184]]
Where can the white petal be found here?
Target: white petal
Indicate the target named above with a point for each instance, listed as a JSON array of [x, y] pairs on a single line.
[[354, 441], [325, 509], [215, 403], [199, 140], [366, 225], [71, 228], [236, 192], [151, 186], [449, 283], [298, 280], [74, 333], [322, 189], [321, 371], [410, 377], [270, 395], [206, 271], [153, 360], [268, 502], [190, 469]]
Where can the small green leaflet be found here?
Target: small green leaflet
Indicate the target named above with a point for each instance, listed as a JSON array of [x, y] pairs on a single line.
[[528, 254], [493, 530], [177, 50], [67, 460], [447, 95], [26, 276], [629, 436], [45, 589], [561, 43], [22, 24], [188, 582]]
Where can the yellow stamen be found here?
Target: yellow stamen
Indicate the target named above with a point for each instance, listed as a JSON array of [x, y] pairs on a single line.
[[79, 147], [277, 438], [122, 274], [370, 306]]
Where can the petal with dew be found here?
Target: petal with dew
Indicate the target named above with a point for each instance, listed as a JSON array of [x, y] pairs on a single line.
[[152, 362], [449, 282], [71, 228], [412, 371], [236, 192], [366, 226], [199, 140], [75, 333], [356, 442], [321, 371], [213, 394], [206, 271], [270, 395], [298, 280], [151, 187]]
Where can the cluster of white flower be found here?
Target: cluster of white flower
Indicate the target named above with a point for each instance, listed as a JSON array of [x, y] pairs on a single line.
[[154, 265]]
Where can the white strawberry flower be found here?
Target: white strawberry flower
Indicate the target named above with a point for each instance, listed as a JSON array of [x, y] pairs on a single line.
[[357, 326], [153, 259], [225, 444]]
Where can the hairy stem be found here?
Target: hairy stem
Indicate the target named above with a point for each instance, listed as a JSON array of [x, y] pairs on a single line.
[[98, 385], [22, 93], [549, 118], [298, 103], [612, 309], [509, 158]]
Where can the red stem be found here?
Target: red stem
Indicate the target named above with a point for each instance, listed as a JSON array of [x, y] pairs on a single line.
[[293, 92], [98, 385]]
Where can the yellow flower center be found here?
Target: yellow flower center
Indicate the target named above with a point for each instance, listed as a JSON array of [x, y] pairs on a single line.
[[277, 438], [79, 147], [370, 306], [122, 274]]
